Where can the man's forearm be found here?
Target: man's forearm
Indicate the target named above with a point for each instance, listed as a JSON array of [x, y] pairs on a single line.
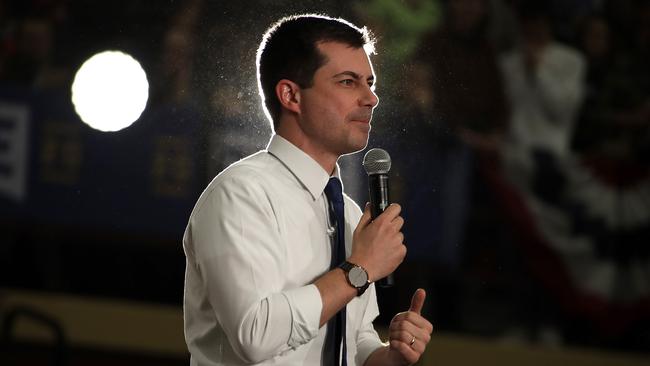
[[335, 292]]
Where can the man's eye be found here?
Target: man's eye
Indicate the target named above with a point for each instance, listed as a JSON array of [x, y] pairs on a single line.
[[347, 82]]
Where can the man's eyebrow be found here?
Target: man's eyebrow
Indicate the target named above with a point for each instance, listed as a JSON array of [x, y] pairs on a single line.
[[354, 75]]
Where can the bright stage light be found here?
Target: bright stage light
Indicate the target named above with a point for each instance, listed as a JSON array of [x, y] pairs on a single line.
[[110, 91]]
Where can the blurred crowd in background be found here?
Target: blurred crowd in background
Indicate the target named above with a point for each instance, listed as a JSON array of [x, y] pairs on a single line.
[[519, 132]]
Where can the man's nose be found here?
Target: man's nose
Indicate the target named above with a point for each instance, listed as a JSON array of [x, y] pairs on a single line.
[[369, 98]]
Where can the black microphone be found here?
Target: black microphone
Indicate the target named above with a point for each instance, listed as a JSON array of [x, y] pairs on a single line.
[[377, 165]]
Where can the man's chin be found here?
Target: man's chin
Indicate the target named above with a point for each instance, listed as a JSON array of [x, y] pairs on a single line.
[[357, 145]]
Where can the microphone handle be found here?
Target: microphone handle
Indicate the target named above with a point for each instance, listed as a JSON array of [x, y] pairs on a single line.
[[379, 200]]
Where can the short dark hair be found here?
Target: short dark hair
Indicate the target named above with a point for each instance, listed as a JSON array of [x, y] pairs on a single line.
[[289, 51]]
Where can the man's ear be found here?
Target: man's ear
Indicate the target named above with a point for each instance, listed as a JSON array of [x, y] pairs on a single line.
[[288, 93]]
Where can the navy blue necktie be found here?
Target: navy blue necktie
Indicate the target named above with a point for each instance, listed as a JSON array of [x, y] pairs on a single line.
[[335, 336]]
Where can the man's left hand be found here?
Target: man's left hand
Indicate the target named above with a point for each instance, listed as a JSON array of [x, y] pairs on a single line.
[[409, 332]]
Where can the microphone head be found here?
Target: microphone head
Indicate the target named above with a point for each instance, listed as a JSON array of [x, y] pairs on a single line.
[[376, 161]]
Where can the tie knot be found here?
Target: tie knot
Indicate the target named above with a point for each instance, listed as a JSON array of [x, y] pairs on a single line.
[[334, 190]]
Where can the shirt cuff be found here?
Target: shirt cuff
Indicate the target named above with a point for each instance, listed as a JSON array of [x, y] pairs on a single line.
[[366, 346], [306, 305]]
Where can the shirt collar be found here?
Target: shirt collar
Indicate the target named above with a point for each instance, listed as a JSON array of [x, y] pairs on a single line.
[[310, 174]]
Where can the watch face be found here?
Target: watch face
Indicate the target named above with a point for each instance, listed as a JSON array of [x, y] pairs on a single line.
[[358, 277]]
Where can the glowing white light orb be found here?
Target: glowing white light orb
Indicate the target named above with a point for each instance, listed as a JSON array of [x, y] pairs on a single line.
[[110, 91]]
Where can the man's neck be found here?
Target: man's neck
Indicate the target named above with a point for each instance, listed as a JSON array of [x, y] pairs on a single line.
[[295, 136]]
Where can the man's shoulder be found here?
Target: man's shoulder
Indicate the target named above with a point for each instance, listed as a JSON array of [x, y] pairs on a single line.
[[252, 166], [249, 174]]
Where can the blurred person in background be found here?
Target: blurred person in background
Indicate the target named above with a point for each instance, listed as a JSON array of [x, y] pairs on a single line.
[[544, 84], [614, 120]]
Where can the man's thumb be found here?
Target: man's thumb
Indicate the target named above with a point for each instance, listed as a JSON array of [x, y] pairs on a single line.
[[418, 300], [366, 217]]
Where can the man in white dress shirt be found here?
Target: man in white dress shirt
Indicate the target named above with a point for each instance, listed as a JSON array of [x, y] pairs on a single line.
[[259, 286]]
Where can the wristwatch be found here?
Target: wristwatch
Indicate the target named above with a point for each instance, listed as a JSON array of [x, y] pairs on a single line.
[[357, 276]]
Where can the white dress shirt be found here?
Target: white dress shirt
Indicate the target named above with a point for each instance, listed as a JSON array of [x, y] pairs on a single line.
[[256, 241], [544, 105]]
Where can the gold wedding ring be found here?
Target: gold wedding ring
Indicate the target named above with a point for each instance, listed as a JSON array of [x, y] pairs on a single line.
[[412, 341]]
